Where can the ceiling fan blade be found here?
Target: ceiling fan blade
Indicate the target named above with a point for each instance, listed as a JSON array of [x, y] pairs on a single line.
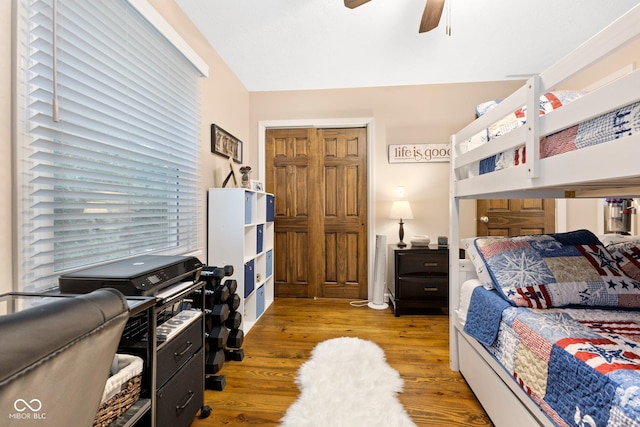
[[431, 15], [352, 4]]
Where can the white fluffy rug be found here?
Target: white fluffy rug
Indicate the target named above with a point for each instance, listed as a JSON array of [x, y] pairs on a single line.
[[347, 382]]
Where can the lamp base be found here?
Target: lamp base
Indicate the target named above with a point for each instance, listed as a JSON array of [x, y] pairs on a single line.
[[375, 306], [401, 244]]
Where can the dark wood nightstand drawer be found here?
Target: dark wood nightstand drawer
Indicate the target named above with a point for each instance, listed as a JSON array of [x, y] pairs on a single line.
[[433, 263], [416, 287]]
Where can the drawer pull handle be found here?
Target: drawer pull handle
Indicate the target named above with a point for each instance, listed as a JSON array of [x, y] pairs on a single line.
[[431, 289], [180, 408], [430, 264], [182, 353]]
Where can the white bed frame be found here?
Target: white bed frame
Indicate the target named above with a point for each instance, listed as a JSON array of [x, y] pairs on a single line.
[[611, 168]]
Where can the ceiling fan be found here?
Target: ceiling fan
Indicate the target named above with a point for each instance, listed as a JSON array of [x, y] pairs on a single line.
[[430, 16]]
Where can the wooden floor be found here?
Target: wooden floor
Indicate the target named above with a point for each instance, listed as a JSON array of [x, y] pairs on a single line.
[[261, 387]]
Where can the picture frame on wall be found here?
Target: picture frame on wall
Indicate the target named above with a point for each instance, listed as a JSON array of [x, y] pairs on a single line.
[[225, 144]]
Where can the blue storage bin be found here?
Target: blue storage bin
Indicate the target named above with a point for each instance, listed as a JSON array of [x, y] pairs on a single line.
[[259, 237], [271, 207], [249, 278], [269, 263], [248, 207], [260, 301]]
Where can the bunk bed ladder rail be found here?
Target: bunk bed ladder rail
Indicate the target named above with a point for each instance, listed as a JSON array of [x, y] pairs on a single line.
[[532, 141]]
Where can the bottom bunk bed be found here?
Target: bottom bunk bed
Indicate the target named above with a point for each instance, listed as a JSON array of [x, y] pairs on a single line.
[[551, 366]]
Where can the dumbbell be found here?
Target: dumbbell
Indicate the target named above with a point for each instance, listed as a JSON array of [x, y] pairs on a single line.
[[233, 302], [233, 320], [217, 315], [212, 297], [215, 382], [214, 361], [236, 354], [235, 338], [213, 277], [215, 274], [216, 337], [231, 285]]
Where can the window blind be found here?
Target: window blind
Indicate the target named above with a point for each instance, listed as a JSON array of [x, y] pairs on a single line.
[[115, 174]]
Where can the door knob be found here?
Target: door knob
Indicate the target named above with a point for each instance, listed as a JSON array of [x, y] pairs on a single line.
[[484, 219]]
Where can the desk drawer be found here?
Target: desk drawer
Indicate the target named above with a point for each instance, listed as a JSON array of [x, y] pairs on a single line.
[[414, 287], [176, 352], [182, 397], [423, 263]]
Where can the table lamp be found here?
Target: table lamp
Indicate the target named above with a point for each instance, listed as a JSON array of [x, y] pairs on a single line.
[[401, 210]]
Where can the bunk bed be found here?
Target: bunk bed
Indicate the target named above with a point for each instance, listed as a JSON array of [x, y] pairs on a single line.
[[607, 167]]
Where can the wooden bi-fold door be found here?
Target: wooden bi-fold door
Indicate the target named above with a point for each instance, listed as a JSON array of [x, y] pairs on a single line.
[[318, 177]]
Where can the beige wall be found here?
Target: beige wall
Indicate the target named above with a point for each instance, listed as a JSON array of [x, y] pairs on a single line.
[[426, 114]]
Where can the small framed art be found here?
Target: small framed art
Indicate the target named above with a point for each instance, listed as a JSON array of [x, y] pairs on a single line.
[[257, 185], [225, 144]]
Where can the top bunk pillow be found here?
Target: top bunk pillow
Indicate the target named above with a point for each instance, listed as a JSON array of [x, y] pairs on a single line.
[[557, 270]]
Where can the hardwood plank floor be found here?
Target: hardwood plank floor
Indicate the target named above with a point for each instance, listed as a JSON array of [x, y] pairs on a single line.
[[260, 388]]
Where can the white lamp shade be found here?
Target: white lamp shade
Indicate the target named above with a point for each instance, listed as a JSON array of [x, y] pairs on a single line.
[[401, 210]]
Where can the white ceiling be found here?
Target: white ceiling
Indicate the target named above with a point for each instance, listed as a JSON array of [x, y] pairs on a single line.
[[321, 44]]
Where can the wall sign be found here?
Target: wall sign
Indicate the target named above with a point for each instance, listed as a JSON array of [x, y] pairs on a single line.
[[419, 153]]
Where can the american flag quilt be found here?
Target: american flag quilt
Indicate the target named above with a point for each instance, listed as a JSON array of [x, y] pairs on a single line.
[[580, 365]]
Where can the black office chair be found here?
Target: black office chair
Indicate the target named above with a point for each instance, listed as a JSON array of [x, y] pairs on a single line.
[[55, 358]]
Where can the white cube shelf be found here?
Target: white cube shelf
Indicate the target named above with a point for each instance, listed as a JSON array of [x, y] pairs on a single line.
[[240, 233]]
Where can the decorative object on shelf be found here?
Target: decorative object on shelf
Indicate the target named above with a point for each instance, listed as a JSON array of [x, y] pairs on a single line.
[[225, 144], [443, 241], [245, 171], [257, 185], [420, 240], [401, 209], [232, 174]]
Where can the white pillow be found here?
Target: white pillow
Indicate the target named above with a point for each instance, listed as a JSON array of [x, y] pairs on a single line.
[[478, 262]]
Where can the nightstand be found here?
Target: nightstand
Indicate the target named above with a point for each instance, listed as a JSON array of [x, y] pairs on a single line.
[[419, 279]]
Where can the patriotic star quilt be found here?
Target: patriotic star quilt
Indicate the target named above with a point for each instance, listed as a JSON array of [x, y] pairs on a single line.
[[580, 365], [556, 270]]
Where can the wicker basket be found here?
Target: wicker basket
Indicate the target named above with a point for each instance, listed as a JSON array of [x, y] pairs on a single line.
[[121, 391]]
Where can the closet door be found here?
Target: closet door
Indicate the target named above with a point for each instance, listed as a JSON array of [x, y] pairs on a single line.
[[288, 154], [514, 217], [318, 177]]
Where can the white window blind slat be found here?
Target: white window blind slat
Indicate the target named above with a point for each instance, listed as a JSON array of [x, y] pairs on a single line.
[[117, 175]]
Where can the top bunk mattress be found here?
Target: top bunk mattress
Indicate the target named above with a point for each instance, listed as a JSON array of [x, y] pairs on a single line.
[[611, 125]]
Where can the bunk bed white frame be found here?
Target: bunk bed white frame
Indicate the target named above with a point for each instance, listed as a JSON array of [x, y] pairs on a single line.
[[611, 168]]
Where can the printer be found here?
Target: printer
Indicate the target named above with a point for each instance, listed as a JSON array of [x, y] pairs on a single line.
[[143, 275]]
